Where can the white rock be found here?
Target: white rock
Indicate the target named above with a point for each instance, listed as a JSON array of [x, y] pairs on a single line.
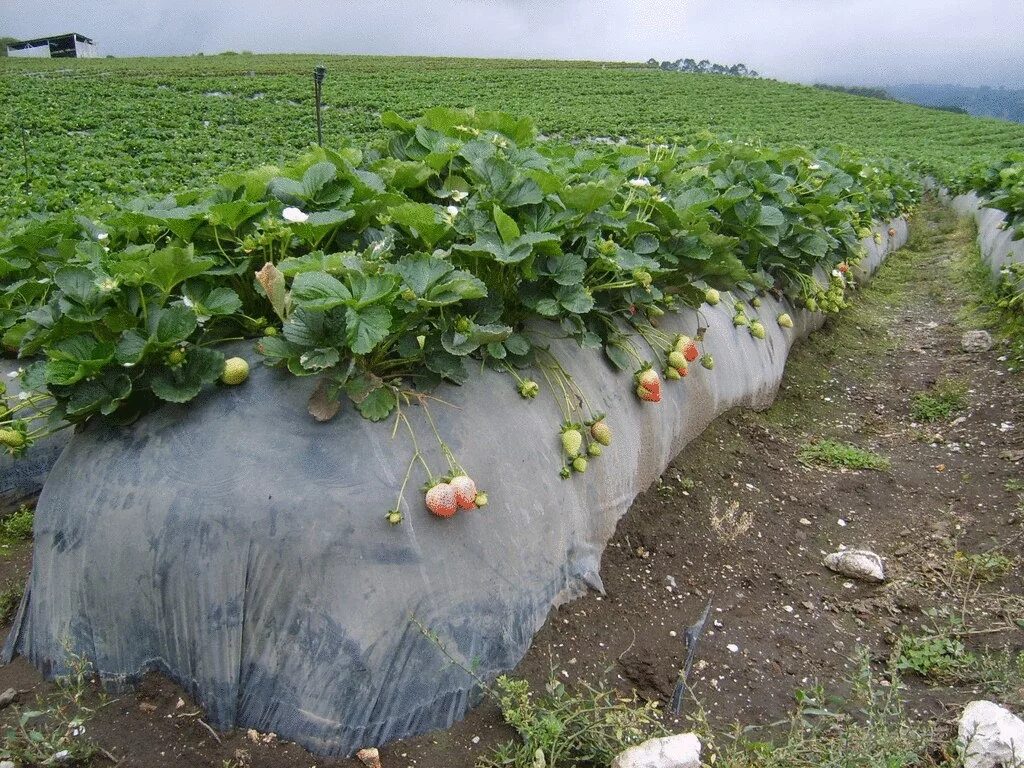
[[857, 564], [6, 764], [976, 341], [991, 736], [679, 751]]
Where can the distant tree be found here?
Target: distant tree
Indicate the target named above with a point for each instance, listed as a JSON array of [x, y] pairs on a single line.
[[704, 67], [4, 42]]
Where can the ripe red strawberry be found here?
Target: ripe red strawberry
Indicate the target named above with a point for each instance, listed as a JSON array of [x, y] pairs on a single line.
[[646, 394], [441, 501], [465, 491], [688, 347], [648, 381], [892, 232]]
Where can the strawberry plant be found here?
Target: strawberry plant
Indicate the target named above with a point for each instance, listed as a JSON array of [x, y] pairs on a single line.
[[386, 269]]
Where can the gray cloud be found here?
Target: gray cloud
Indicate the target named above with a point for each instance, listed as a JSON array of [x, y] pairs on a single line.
[[853, 41]]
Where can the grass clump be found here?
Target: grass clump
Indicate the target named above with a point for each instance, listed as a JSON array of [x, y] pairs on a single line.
[[939, 401], [872, 729], [835, 453], [564, 727], [17, 527]]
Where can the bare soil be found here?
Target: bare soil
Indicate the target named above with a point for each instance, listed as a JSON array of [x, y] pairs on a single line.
[[738, 521]]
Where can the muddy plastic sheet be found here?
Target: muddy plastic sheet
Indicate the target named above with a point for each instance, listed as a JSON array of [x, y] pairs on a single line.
[[241, 549], [997, 246], [21, 479]]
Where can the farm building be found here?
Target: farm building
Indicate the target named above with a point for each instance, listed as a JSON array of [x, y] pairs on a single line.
[[69, 46]]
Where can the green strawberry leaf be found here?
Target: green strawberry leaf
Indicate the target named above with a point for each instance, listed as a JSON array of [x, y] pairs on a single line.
[[367, 327]]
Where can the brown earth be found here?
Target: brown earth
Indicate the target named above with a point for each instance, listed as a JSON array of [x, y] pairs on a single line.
[[739, 521]]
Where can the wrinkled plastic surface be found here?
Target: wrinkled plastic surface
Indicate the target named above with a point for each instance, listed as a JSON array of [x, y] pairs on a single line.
[[21, 479], [997, 246], [241, 548]]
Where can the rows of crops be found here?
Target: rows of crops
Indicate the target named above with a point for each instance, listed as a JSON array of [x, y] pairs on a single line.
[[101, 128], [407, 251]]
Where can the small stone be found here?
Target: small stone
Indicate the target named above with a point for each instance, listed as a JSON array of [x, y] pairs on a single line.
[[804, 521], [733, 648], [679, 751], [857, 564], [976, 341], [7, 764], [991, 736], [7, 697], [369, 757]]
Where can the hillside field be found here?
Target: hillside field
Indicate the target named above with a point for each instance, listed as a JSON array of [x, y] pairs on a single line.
[[89, 130]]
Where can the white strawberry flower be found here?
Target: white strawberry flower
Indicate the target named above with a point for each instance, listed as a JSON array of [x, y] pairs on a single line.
[[458, 195], [294, 215], [642, 181], [814, 167], [102, 235], [452, 210]]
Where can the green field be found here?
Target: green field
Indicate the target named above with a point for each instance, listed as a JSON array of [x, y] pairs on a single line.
[[106, 127]]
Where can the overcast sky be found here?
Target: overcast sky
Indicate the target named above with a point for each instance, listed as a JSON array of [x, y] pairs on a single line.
[[969, 42]]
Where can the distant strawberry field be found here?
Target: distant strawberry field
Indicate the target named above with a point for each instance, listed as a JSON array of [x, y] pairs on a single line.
[[94, 129]]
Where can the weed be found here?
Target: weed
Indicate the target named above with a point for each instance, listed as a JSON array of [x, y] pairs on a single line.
[[870, 730], [10, 597], [17, 527], [939, 401], [54, 732], [569, 727], [835, 453], [985, 566], [937, 656], [1014, 486], [730, 525]]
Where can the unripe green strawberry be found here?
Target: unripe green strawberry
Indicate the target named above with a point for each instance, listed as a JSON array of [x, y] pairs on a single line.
[[671, 374], [755, 302], [708, 362], [676, 359], [739, 320], [393, 516], [409, 294], [878, 237], [712, 297], [579, 464], [785, 320], [601, 432], [642, 276], [528, 389], [564, 473], [463, 325], [812, 305], [176, 356], [739, 307], [594, 449], [236, 370], [481, 499], [271, 331], [12, 438], [572, 441], [757, 330]]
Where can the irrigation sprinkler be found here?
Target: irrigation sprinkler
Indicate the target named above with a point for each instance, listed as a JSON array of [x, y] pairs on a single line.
[[319, 73]]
